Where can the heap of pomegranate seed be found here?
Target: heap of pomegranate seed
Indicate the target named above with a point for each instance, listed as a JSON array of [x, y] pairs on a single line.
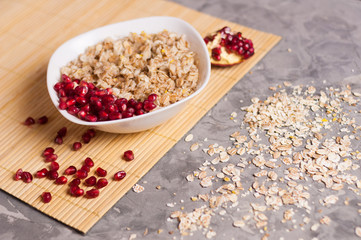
[[92, 104], [228, 48]]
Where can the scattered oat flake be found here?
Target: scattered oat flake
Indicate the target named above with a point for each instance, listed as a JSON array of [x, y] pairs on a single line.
[[138, 188], [206, 182], [325, 220], [358, 231], [239, 224], [189, 138], [132, 236], [194, 146]]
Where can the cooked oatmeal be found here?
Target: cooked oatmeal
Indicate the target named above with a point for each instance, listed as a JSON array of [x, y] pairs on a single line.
[[139, 65]]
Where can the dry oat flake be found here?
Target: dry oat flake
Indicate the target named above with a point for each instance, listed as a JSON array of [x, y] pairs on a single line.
[[291, 141]]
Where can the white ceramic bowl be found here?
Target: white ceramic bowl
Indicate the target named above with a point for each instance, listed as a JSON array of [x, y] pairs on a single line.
[[77, 45]]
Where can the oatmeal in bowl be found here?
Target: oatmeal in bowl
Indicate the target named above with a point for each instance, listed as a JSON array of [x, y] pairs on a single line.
[[129, 76]]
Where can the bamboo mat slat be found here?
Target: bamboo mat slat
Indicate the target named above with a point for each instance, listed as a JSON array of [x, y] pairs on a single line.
[[29, 33]]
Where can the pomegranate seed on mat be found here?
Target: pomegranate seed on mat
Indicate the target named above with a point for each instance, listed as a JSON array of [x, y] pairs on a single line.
[[102, 182], [18, 174], [46, 196], [101, 172], [61, 180], [70, 170], [26, 177], [119, 175], [91, 181], [81, 174], [29, 121], [43, 120], [89, 162], [128, 155], [93, 193], [77, 146]]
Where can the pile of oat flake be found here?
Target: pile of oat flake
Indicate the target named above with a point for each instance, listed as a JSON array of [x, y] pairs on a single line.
[[294, 138]]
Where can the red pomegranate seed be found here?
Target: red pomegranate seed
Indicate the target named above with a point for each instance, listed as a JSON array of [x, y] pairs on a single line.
[[41, 173], [115, 115], [82, 114], [61, 180], [90, 118], [77, 146], [103, 116], [122, 107], [127, 114], [138, 106], [27, 177], [62, 132], [70, 170], [29, 121], [128, 155], [139, 112], [119, 175], [65, 78], [58, 86], [70, 102], [81, 174], [53, 174], [81, 90], [78, 192], [75, 182], [43, 120], [86, 137], [54, 166], [58, 139], [93, 193], [81, 101], [18, 174], [149, 106], [62, 106], [91, 181], [102, 182], [131, 103], [89, 162], [73, 110], [152, 97], [85, 168], [46, 196], [101, 172], [48, 151], [61, 93], [91, 132], [51, 158], [85, 108]]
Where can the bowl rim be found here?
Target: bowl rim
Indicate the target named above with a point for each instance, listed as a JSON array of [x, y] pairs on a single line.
[[54, 97]]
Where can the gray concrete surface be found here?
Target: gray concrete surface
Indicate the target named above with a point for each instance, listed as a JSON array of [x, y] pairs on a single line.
[[325, 39]]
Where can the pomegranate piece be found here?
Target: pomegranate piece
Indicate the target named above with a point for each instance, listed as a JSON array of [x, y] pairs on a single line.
[[41, 173], [46, 196], [93, 193], [89, 162], [91, 181], [18, 174], [29, 121], [51, 157], [61, 180], [53, 174], [54, 166], [128, 155], [77, 146], [43, 120], [85, 168], [101, 172], [62, 132], [119, 175], [75, 182], [26, 177], [102, 182], [227, 48], [70, 170], [152, 97], [48, 151], [81, 174], [58, 139]]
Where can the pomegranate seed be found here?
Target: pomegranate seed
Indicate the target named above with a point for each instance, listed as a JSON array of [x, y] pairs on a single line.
[[86, 108], [51, 158], [89, 162], [65, 78], [91, 181], [53, 174], [73, 110], [127, 114], [139, 106], [91, 132], [70, 170], [152, 97], [206, 40], [82, 114], [68, 86], [101, 172], [70, 102], [81, 90], [58, 86], [81, 174], [115, 115], [18, 174], [128, 155], [78, 192], [41, 173], [77, 146], [122, 107], [62, 93], [139, 112], [43, 120], [85, 168], [216, 57], [77, 81], [75, 182], [62, 132], [54, 166], [48, 151], [216, 51], [46, 196], [149, 106], [61, 180], [81, 101], [90, 118], [119, 175], [93, 193], [63, 106], [131, 102], [58, 139], [29, 121], [102, 182], [103, 116], [86, 137], [26, 177]]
